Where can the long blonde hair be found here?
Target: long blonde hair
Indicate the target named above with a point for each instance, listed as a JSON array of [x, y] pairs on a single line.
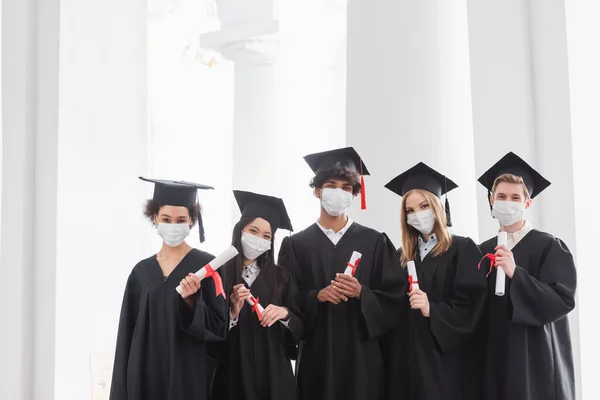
[[410, 236]]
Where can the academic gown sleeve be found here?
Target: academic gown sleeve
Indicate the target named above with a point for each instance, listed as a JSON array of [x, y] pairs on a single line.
[[127, 321], [306, 299], [293, 332], [379, 302], [454, 321], [537, 302], [209, 317]]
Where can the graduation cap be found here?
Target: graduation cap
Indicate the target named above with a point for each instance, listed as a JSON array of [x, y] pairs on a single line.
[[178, 193], [515, 165], [269, 208], [346, 157], [421, 176]]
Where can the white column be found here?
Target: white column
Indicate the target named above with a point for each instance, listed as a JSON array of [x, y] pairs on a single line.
[[102, 150], [30, 131], [409, 100], [520, 85], [18, 154], [501, 84], [584, 63], [284, 98]]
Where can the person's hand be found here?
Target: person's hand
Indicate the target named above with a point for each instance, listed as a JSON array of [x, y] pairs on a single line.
[[329, 294], [506, 260], [273, 314], [239, 294], [190, 285], [347, 285], [419, 301]]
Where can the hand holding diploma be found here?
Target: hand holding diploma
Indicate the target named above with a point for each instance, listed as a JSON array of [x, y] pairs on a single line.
[[413, 281], [353, 263], [272, 314], [210, 270], [419, 301], [347, 285], [239, 294], [504, 259]]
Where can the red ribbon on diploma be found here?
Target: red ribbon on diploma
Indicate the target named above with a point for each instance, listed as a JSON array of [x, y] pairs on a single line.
[[354, 266], [216, 278], [255, 308], [410, 283], [492, 258]]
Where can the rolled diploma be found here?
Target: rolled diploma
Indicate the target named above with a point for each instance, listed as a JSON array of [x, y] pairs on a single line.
[[500, 275], [412, 271], [215, 264], [250, 300], [355, 256]]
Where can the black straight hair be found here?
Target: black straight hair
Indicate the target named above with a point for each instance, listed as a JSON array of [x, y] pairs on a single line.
[[266, 262]]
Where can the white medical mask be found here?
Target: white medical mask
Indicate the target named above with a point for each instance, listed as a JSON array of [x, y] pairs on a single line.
[[254, 246], [173, 234], [336, 201], [508, 212], [423, 221]]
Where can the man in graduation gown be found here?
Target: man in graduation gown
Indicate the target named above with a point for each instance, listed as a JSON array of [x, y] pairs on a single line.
[[343, 314], [529, 355]]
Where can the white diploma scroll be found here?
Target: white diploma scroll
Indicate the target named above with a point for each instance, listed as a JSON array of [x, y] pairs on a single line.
[[254, 301], [353, 263], [500, 275], [210, 268], [412, 276]]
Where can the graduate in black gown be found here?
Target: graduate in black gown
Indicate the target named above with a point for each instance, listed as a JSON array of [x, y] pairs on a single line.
[[260, 345], [433, 352], [529, 354], [343, 314], [160, 352]]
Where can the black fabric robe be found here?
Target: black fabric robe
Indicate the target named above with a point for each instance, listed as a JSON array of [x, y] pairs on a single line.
[[439, 357], [339, 355], [529, 354], [160, 352], [257, 361]]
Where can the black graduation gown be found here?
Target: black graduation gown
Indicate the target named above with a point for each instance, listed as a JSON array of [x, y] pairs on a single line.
[[257, 361], [160, 352], [529, 354], [439, 357], [339, 355]]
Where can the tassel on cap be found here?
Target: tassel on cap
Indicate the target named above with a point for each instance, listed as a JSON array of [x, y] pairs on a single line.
[[201, 227], [363, 191], [363, 194], [448, 217]]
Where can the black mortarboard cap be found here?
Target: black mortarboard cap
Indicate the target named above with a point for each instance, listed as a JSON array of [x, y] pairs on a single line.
[[269, 208], [515, 165], [177, 193], [423, 177], [346, 157]]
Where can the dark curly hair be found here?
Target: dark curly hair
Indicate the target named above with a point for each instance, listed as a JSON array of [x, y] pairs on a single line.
[[337, 172], [151, 209]]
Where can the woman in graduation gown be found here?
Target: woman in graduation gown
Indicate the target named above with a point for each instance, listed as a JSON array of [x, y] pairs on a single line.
[[160, 352], [529, 352], [260, 345], [432, 354]]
